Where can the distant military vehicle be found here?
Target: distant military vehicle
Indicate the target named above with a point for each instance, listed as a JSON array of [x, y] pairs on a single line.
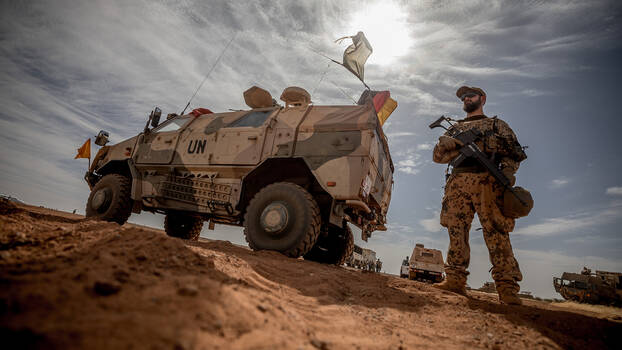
[[404, 268], [293, 176], [11, 199], [362, 258], [488, 287], [601, 287], [426, 264], [356, 259], [369, 258]]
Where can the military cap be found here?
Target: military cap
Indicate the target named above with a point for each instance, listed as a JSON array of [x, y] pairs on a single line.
[[465, 89]]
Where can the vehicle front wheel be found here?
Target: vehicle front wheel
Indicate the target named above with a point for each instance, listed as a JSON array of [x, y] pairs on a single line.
[[183, 225], [283, 217], [110, 199], [334, 248]]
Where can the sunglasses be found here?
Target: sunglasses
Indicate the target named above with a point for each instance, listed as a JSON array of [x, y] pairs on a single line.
[[469, 95]]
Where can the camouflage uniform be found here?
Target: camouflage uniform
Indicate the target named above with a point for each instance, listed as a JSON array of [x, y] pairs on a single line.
[[469, 190]]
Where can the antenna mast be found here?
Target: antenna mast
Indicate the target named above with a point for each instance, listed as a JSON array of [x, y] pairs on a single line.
[[208, 73]]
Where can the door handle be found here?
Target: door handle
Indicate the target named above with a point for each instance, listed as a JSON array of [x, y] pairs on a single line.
[[254, 137]]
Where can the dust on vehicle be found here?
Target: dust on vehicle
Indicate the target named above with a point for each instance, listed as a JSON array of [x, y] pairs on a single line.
[[426, 264], [293, 176]]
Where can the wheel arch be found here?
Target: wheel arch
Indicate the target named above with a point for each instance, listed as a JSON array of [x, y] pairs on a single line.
[[123, 167], [294, 170]]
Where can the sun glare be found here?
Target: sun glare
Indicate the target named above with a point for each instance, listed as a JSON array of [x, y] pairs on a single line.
[[385, 26]]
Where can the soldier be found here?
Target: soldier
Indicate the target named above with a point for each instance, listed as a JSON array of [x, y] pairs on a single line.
[[470, 189]]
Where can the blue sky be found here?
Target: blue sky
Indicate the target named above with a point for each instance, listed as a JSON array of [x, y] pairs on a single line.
[[550, 69]]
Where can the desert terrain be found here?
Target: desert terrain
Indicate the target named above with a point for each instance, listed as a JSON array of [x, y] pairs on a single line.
[[68, 282]]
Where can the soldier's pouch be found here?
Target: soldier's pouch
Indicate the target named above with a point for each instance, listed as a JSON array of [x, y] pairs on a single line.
[[512, 207]]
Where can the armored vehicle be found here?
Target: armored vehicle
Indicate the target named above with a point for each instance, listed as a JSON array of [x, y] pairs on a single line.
[[293, 176], [488, 287], [356, 259], [426, 264], [362, 258], [601, 287]]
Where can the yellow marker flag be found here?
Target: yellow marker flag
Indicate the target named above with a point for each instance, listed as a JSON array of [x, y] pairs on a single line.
[[85, 150], [387, 108]]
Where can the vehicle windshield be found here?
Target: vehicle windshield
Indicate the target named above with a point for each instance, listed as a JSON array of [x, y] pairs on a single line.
[[172, 124]]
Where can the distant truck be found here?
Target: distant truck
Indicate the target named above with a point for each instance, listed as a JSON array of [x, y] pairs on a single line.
[[362, 258], [426, 264], [601, 287]]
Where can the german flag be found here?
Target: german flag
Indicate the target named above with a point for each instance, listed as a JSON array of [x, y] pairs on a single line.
[[384, 105]]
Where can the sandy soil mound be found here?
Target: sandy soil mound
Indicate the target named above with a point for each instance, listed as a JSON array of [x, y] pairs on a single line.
[[68, 282]]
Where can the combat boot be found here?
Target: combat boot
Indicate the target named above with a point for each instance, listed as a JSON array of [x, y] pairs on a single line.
[[508, 294], [453, 284]]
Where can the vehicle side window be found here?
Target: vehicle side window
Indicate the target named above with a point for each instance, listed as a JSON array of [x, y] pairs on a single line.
[[252, 119], [172, 125]]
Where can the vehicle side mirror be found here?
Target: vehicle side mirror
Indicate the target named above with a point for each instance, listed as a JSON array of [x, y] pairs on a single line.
[[155, 117], [102, 138]]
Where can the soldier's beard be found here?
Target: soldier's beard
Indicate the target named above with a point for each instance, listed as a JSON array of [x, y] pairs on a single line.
[[471, 107]]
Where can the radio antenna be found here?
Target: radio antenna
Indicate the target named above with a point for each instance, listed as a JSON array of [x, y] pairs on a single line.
[[343, 92], [208, 73]]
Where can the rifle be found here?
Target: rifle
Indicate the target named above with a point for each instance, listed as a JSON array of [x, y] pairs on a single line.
[[471, 150]]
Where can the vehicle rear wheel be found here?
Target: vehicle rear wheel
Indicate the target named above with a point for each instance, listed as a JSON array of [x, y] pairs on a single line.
[[183, 225], [110, 199], [334, 248], [283, 217]]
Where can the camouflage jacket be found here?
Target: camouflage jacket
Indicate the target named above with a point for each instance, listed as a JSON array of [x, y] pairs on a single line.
[[499, 141]]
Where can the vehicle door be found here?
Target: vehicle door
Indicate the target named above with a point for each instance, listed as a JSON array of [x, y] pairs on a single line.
[[241, 142], [158, 145]]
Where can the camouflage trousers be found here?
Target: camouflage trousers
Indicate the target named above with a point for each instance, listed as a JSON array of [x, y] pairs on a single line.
[[465, 195]]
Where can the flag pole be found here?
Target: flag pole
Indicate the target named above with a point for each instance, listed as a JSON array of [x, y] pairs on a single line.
[[339, 63]]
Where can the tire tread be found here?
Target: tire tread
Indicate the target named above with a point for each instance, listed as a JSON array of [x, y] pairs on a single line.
[[308, 241], [121, 209]]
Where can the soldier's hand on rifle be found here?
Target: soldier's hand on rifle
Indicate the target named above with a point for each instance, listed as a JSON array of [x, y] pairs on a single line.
[[509, 173], [448, 143]]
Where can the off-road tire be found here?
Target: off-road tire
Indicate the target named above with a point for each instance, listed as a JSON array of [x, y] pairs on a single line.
[[334, 248], [117, 206], [300, 233], [183, 225]]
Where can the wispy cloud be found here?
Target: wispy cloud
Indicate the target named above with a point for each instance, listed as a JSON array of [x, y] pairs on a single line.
[[411, 164], [560, 182], [432, 224], [400, 134], [535, 92], [571, 223], [614, 191], [425, 146]]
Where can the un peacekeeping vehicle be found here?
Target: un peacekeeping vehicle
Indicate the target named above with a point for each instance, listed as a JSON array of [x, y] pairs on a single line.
[[293, 176], [426, 264]]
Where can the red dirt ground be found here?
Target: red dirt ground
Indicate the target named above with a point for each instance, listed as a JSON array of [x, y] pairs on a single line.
[[68, 282]]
